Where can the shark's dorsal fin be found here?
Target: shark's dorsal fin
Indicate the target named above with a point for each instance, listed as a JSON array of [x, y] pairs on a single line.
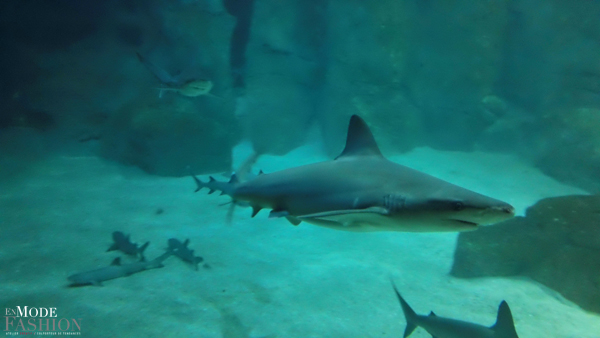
[[505, 326], [116, 261], [360, 140]]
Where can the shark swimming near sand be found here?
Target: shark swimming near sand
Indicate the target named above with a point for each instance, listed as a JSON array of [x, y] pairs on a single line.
[[181, 250], [116, 270], [361, 190], [123, 243], [440, 327]]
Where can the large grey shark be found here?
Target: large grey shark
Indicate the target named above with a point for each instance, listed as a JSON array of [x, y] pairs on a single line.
[[440, 327], [363, 191]]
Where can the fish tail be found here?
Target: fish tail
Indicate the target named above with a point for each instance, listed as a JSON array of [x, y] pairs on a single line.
[[143, 247], [409, 314]]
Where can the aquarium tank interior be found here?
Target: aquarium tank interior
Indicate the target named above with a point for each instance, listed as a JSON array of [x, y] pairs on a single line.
[[300, 168]]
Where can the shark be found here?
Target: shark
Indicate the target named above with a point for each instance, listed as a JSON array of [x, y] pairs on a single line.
[[181, 250], [123, 243], [361, 190], [189, 88], [440, 327], [116, 270]]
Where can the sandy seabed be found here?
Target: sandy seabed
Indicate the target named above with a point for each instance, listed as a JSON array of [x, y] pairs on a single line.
[[263, 277]]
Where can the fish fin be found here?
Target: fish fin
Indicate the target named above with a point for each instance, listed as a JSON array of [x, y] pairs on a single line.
[[186, 242], [234, 179], [143, 247], [409, 314], [113, 247], [199, 184], [293, 220], [116, 261], [333, 213], [432, 314], [255, 210], [360, 140], [505, 325], [162, 75]]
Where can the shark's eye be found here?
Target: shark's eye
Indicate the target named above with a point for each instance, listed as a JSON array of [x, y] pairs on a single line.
[[458, 206]]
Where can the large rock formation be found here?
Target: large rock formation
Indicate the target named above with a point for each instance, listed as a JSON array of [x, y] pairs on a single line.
[[166, 136], [557, 244]]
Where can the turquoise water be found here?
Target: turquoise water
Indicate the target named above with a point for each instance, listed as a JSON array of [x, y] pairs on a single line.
[[499, 97]]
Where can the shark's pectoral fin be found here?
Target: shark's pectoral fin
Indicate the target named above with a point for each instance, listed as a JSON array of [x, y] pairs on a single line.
[[352, 219], [341, 213]]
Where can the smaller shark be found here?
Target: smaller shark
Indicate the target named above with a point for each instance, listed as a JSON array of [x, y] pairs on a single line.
[[116, 270], [183, 252], [123, 244], [190, 88], [440, 327]]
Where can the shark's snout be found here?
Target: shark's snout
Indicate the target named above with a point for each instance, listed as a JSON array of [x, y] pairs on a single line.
[[508, 210], [505, 210]]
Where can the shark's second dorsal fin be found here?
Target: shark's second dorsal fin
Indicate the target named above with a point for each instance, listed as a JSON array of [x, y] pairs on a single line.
[[360, 140]]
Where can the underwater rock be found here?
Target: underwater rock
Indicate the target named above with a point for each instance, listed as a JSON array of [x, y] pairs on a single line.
[[557, 244], [560, 35], [364, 74], [284, 73], [571, 147], [164, 136], [453, 58]]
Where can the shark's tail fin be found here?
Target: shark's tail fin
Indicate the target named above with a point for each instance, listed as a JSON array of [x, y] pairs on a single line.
[[409, 314], [142, 248], [162, 75], [505, 326], [226, 188]]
